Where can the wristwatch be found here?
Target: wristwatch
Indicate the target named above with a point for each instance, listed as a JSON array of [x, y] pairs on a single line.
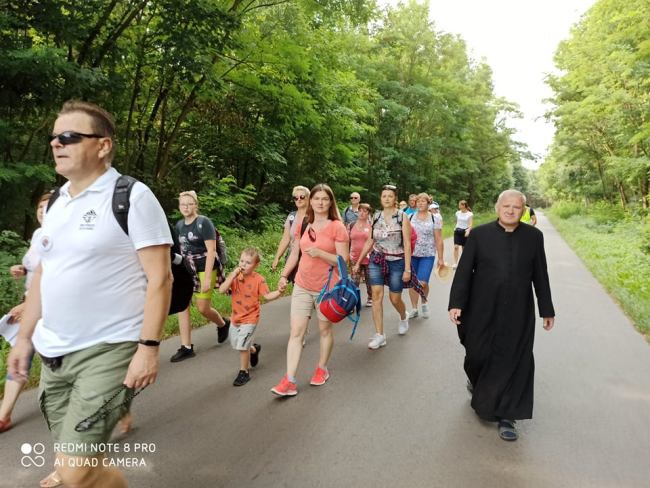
[[149, 342]]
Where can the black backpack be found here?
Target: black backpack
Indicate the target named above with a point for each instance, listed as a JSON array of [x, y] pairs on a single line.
[[183, 285]]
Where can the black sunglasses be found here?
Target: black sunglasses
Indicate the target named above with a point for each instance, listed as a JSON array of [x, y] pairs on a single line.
[[299, 197], [71, 137]]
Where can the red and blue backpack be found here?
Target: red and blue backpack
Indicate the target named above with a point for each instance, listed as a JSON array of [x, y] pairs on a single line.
[[342, 300]]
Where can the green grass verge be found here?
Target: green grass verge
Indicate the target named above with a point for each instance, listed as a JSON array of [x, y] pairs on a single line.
[[615, 251]]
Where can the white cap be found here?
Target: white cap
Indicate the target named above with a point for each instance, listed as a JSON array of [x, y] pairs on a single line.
[[434, 205]]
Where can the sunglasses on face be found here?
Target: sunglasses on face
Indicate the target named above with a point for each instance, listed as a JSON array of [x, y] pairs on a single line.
[[299, 197], [354, 198], [71, 137]]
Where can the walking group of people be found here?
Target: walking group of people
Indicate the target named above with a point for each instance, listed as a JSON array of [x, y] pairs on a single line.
[[99, 339]]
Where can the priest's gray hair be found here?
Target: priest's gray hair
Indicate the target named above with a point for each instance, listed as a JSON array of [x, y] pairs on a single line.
[[510, 193]]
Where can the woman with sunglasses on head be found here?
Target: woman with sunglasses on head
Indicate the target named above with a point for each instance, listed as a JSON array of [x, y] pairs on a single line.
[[324, 239], [390, 263], [198, 239], [464, 221], [294, 220]]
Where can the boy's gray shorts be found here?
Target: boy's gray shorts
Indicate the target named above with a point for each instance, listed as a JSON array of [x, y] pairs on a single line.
[[241, 336]]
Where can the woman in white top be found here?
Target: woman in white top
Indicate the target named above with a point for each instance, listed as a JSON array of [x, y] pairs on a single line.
[[464, 221], [32, 258]]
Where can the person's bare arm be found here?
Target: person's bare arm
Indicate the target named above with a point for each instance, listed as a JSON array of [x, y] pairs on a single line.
[[225, 286], [406, 236], [342, 249], [440, 246], [143, 368], [291, 263], [282, 246]]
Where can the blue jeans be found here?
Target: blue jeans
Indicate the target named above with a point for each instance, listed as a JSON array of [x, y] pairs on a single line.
[[423, 267], [394, 278]]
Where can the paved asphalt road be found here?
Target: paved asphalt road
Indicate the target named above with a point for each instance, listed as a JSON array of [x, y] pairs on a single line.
[[397, 417]]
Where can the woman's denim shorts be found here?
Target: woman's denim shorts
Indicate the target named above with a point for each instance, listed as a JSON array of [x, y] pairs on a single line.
[[395, 273]]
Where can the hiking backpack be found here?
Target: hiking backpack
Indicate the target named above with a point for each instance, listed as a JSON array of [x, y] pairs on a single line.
[[183, 285], [222, 250], [342, 300]]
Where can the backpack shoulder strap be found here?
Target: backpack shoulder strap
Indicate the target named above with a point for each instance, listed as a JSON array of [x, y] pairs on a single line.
[[303, 226], [121, 203], [56, 193], [375, 219]]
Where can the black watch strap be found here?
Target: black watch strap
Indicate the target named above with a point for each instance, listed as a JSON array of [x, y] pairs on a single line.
[[149, 342]]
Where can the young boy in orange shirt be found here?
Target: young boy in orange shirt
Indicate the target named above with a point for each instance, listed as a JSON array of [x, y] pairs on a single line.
[[247, 287]]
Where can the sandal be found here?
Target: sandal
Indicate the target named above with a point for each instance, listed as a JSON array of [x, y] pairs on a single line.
[[507, 430], [52, 480], [5, 424]]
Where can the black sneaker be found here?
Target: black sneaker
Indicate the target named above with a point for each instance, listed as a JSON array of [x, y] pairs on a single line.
[[183, 353], [242, 378], [255, 356], [222, 332]]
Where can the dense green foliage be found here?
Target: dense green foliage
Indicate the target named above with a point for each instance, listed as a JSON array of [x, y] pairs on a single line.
[[602, 145], [242, 100], [616, 249]]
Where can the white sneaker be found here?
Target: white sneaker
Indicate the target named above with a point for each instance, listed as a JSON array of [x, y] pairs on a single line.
[[425, 311], [412, 314], [377, 341], [403, 326]]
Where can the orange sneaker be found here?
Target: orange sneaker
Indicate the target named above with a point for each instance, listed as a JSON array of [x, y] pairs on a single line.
[[320, 376], [285, 388]]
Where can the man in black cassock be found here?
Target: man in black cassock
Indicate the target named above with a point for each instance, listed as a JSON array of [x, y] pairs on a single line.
[[491, 302]]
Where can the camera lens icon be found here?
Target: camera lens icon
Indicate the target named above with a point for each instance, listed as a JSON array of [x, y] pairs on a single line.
[[32, 455]]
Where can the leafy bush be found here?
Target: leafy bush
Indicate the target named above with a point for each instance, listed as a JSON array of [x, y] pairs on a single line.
[[566, 209], [606, 213], [645, 238]]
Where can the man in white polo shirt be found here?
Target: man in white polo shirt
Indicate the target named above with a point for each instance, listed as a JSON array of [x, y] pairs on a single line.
[[101, 295]]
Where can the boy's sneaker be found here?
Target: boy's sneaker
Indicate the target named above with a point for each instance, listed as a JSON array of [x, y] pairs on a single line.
[[369, 303], [255, 356], [412, 314], [222, 332], [425, 311], [320, 376], [378, 340], [403, 326], [285, 388], [183, 353], [242, 378]]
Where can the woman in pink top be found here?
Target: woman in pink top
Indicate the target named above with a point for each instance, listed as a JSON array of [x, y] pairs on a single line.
[[359, 233], [314, 253]]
